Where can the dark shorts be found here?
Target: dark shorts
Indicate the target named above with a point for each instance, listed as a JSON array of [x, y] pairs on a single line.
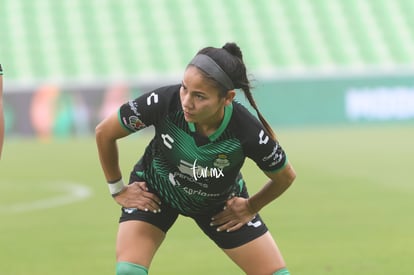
[[225, 240]]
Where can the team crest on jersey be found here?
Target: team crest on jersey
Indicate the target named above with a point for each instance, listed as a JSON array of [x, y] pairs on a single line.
[[221, 161], [134, 123]]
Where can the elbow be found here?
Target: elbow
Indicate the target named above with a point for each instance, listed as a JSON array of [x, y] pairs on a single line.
[[101, 134], [98, 131], [109, 131], [290, 175]]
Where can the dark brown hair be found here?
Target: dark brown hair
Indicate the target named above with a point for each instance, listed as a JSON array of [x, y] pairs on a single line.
[[230, 59]]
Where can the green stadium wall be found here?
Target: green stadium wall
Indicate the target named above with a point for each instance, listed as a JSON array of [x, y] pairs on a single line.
[[336, 100], [294, 102]]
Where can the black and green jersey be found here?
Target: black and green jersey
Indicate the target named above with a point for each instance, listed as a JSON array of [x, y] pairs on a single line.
[[193, 173]]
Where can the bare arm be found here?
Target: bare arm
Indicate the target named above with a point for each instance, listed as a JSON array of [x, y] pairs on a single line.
[[107, 133], [134, 195], [240, 211], [278, 184]]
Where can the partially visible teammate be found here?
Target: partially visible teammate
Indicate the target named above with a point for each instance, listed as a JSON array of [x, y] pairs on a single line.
[[192, 166], [1, 112]]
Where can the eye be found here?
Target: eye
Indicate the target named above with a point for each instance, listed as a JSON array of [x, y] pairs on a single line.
[[200, 97]]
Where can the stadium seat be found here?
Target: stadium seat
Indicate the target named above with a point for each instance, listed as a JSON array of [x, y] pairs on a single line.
[[79, 40]]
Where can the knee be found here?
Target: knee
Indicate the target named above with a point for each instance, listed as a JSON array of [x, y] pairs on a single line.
[[126, 268]]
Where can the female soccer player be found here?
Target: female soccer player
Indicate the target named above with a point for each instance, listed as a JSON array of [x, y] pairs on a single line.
[[1, 112], [192, 166]]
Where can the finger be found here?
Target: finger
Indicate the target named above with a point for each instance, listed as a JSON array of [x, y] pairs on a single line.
[[229, 202], [145, 201], [226, 227], [234, 228], [221, 218], [227, 208], [142, 185], [152, 206], [152, 197], [222, 214], [144, 206], [140, 199], [142, 188]]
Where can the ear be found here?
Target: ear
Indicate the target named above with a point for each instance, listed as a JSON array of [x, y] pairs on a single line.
[[229, 97]]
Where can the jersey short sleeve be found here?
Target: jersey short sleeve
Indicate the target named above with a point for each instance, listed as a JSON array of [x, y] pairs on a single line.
[[147, 109], [258, 144], [270, 156]]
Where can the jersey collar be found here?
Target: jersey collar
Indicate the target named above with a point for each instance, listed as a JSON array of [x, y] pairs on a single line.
[[228, 110]]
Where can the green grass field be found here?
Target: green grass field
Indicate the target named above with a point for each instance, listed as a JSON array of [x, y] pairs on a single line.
[[349, 211]]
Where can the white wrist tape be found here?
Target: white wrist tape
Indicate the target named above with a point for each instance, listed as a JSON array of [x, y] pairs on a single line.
[[116, 188]]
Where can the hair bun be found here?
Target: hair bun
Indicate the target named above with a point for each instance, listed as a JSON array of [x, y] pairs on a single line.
[[233, 49]]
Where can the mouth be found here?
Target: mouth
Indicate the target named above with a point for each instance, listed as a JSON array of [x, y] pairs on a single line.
[[188, 115]]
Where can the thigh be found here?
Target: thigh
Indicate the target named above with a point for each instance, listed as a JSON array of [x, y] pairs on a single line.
[[227, 240], [141, 233], [137, 242], [258, 257]]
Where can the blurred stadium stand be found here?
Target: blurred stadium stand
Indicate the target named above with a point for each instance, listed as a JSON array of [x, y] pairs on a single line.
[[81, 40], [80, 54]]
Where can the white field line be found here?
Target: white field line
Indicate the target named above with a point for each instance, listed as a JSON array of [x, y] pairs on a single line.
[[72, 192]]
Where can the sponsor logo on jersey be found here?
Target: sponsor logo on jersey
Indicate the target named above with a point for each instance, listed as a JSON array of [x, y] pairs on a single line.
[[276, 156], [198, 172], [206, 172], [134, 107]]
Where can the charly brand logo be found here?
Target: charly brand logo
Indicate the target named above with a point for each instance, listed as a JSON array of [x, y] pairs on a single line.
[[263, 139]]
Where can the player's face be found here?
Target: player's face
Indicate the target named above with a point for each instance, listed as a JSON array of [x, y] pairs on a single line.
[[200, 100]]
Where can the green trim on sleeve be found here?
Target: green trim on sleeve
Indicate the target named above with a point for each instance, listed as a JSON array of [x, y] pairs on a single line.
[[140, 174], [241, 184], [278, 169], [122, 124]]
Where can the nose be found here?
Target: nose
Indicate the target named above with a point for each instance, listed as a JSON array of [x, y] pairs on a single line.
[[186, 101]]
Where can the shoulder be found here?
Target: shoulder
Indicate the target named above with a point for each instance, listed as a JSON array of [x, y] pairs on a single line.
[[161, 99], [243, 121], [150, 108], [164, 93], [257, 143], [245, 126], [170, 89]]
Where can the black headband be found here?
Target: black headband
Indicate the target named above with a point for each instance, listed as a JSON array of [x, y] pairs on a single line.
[[208, 65]]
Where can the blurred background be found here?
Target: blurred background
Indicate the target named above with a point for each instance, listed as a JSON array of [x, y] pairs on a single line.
[[69, 63], [334, 77]]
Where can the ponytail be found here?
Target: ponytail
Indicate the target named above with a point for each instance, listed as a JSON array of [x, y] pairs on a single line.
[[249, 96], [230, 59], [242, 82]]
